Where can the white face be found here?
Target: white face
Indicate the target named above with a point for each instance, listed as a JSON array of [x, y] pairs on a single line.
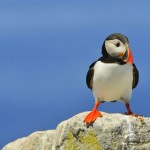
[[115, 48]]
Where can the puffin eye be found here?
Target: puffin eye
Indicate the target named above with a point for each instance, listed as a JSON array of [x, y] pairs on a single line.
[[117, 44]]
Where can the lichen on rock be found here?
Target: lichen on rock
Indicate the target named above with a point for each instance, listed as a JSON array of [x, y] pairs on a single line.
[[86, 141]]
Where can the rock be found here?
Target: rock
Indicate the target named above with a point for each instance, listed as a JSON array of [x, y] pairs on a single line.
[[111, 132], [41, 140]]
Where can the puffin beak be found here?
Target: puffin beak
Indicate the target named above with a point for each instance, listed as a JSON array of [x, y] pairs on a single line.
[[128, 57], [121, 54]]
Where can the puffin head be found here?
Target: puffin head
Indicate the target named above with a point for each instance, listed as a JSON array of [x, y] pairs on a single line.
[[117, 46]]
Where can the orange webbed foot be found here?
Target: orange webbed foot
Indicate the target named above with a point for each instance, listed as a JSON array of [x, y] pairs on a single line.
[[133, 114], [130, 112], [92, 116]]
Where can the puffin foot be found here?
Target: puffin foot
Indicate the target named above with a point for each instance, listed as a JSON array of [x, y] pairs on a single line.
[[131, 114], [92, 116], [134, 115]]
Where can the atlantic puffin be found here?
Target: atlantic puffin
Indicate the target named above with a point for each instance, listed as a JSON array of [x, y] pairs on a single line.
[[113, 76]]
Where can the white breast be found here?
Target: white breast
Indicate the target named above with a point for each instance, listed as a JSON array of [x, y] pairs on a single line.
[[112, 81]]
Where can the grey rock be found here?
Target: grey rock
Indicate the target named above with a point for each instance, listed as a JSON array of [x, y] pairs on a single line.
[[41, 140], [111, 132]]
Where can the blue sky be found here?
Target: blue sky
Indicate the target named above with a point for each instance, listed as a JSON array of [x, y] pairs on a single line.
[[46, 48]]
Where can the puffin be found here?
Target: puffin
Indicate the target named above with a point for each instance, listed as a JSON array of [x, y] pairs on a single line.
[[113, 76]]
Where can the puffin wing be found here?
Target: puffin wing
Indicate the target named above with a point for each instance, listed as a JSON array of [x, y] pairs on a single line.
[[135, 76], [89, 76]]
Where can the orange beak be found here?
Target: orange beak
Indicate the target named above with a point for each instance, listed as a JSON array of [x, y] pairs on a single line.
[[130, 57], [121, 54]]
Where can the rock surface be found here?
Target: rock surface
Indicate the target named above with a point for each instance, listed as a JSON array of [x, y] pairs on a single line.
[[111, 132]]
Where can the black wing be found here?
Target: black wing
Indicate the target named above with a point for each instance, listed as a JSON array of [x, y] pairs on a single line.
[[89, 76], [135, 76]]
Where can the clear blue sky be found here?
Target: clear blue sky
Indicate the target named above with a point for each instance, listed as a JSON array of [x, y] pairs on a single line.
[[46, 48]]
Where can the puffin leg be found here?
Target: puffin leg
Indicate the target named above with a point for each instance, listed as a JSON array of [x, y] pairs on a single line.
[[129, 111], [93, 115]]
